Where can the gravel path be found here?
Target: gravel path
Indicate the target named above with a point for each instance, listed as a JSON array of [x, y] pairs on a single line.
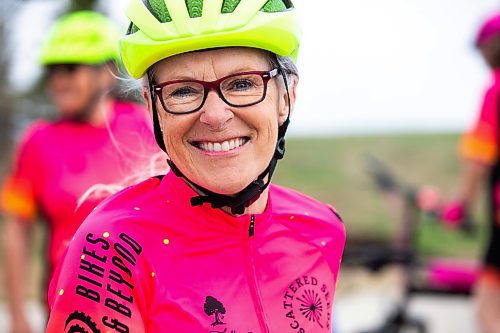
[[36, 317], [364, 300], [358, 311]]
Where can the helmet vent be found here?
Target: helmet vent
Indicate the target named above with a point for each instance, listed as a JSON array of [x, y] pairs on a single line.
[[132, 29], [273, 6], [158, 9], [195, 8], [228, 6]]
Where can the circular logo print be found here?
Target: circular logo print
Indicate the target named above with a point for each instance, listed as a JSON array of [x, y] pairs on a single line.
[[311, 306], [307, 304]]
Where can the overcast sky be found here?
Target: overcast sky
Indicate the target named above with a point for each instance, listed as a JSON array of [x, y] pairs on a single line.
[[366, 66]]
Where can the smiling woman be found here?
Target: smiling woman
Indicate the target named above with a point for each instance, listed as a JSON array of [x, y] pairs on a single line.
[[255, 124], [211, 246]]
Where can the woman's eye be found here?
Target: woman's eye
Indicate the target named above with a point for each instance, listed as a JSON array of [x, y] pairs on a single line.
[[242, 85], [183, 92]]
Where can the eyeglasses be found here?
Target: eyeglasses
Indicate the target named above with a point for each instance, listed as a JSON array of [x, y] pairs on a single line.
[[238, 90]]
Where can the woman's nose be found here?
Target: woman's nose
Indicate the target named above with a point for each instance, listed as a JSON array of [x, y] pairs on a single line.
[[215, 113]]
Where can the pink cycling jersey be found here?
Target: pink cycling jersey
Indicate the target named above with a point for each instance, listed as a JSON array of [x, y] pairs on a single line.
[[147, 261], [480, 143], [57, 162]]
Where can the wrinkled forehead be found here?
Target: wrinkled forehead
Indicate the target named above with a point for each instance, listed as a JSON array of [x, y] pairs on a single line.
[[219, 61]]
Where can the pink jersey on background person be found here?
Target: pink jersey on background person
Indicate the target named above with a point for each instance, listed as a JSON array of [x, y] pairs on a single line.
[[480, 143], [58, 162], [130, 268], [62, 169]]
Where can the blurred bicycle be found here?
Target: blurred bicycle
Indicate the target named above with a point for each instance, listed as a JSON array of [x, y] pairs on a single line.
[[436, 276]]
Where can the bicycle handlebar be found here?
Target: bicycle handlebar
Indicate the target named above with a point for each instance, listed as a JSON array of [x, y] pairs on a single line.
[[386, 181]]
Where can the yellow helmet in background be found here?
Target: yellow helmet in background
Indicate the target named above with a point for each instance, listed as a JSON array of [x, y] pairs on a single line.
[[82, 37]]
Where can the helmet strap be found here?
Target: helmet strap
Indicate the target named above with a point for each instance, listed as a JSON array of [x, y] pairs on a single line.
[[238, 202], [156, 121]]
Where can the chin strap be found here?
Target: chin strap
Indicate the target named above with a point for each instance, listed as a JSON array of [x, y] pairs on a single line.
[[236, 203], [156, 122], [239, 201]]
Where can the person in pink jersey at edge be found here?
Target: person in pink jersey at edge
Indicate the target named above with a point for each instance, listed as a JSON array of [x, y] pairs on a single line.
[[478, 150], [97, 140], [209, 247]]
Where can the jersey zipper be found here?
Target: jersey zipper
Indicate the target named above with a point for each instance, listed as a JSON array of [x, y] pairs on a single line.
[[252, 276]]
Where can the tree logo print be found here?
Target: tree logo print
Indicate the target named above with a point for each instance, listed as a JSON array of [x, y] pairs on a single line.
[[214, 307], [311, 306]]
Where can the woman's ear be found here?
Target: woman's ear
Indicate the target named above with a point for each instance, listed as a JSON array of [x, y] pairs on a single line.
[[147, 99], [288, 105]]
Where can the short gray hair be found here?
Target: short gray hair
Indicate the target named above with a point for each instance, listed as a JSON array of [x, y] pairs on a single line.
[[286, 64]]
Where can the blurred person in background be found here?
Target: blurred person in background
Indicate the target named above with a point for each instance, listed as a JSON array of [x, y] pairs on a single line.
[[212, 246], [479, 151], [98, 139]]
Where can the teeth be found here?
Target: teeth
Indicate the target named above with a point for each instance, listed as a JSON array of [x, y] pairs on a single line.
[[222, 146]]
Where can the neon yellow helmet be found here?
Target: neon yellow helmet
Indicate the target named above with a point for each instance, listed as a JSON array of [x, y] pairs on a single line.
[[163, 28], [82, 37]]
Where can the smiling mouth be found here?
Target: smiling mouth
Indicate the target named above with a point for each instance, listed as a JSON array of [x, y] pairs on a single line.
[[222, 146]]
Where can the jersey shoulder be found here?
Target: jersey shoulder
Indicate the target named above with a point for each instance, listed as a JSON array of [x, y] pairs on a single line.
[[290, 202], [311, 221], [121, 204], [35, 131], [315, 221], [31, 141]]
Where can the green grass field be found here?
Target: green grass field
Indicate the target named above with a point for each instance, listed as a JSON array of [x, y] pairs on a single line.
[[333, 171]]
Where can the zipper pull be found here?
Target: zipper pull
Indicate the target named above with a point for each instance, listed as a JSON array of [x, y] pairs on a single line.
[[251, 227]]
